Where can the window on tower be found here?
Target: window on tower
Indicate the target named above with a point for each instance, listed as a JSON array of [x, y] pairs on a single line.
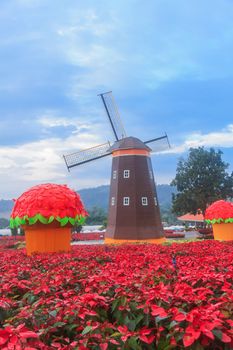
[[151, 174], [156, 202], [114, 174], [125, 200], [144, 201], [113, 201], [126, 174]]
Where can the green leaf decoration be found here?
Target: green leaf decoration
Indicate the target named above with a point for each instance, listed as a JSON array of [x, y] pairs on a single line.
[[81, 220], [25, 220], [51, 219], [12, 223], [230, 220], [64, 221], [42, 219], [17, 221], [219, 221], [72, 221], [32, 220]]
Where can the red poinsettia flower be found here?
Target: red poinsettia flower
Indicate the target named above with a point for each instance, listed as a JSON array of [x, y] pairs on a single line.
[[218, 212], [46, 203]]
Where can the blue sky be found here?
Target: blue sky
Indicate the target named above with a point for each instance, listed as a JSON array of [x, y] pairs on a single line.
[[169, 64]]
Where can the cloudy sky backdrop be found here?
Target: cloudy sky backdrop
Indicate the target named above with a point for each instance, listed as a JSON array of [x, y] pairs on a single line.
[[169, 64]]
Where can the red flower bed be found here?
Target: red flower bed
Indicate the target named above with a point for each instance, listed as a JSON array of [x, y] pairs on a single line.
[[129, 297], [7, 242], [89, 236], [174, 235], [96, 236]]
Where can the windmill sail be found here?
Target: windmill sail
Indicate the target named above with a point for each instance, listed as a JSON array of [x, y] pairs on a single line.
[[158, 144], [87, 155], [113, 115]]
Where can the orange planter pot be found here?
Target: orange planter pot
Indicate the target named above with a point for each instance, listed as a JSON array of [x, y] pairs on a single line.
[[122, 241], [223, 231], [47, 238]]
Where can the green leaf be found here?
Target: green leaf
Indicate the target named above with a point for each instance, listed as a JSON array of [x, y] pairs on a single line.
[[32, 220], [132, 342], [217, 333], [59, 324], [115, 304], [53, 313], [64, 221], [72, 221], [163, 344], [70, 327], [131, 325], [159, 319], [51, 218], [12, 223], [115, 334], [86, 330], [172, 324], [138, 319], [17, 221], [42, 219]]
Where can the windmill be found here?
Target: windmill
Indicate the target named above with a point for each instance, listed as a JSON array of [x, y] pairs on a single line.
[[133, 213]]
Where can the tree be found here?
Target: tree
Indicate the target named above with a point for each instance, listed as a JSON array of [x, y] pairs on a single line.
[[97, 216], [200, 180]]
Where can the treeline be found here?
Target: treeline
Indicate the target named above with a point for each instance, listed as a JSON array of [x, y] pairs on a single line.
[[98, 216]]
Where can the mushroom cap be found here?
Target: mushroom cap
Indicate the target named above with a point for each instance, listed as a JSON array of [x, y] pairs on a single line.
[[46, 203], [218, 212]]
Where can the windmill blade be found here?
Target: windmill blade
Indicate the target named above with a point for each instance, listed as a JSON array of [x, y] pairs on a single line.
[[113, 115], [158, 144], [87, 155]]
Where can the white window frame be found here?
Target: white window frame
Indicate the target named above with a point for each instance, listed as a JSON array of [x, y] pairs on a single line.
[[156, 202], [144, 201], [126, 174], [126, 201], [151, 174], [113, 201], [114, 174]]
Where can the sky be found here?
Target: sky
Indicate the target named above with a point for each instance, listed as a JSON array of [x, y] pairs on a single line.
[[168, 63]]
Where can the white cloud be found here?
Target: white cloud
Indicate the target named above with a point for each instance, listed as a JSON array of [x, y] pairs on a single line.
[[25, 165], [51, 121], [222, 138]]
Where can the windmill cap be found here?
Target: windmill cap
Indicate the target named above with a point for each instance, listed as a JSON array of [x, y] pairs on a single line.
[[129, 143]]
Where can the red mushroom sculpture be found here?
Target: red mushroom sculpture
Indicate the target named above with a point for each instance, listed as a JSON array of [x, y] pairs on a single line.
[[47, 212], [220, 215]]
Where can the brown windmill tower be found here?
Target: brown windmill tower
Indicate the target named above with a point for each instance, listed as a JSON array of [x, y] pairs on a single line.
[[134, 214]]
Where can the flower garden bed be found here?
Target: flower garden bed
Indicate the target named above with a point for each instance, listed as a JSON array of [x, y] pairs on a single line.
[[95, 236], [89, 236], [126, 297]]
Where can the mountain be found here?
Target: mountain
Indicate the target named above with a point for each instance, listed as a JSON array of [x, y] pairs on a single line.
[[98, 197], [5, 208]]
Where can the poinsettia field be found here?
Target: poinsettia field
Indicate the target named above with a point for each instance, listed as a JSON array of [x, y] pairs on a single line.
[[127, 297]]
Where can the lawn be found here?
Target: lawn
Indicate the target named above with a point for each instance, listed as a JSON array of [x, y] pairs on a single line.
[[118, 297]]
